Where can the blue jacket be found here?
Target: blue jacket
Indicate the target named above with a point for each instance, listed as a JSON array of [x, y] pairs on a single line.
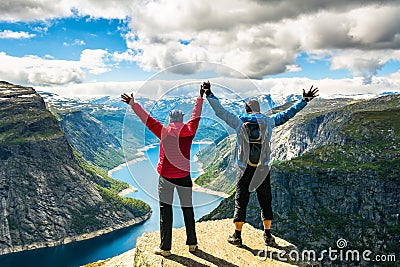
[[266, 123]]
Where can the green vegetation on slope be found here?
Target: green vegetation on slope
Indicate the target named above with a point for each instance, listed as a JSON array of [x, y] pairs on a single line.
[[218, 163], [213, 172], [82, 219], [370, 145], [90, 137], [24, 126], [108, 158], [135, 206], [100, 176], [109, 189]]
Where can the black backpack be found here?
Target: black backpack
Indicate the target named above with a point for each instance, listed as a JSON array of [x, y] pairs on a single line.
[[253, 131]]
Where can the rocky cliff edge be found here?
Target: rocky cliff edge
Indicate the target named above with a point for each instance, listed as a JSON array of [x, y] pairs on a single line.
[[213, 250]]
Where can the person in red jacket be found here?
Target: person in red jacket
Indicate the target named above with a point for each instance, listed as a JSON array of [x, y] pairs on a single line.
[[173, 168]]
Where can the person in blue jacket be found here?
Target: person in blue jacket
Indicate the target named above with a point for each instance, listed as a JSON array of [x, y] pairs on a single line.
[[252, 154]]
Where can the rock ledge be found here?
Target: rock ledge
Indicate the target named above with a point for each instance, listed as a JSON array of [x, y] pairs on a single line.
[[214, 250]]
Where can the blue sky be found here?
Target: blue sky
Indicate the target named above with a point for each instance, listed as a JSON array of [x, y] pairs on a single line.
[[70, 45], [60, 38], [66, 38]]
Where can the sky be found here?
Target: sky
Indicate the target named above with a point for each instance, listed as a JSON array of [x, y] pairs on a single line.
[[91, 48]]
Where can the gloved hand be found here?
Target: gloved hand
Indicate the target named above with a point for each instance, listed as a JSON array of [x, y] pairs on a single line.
[[311, 94], [207, 88]]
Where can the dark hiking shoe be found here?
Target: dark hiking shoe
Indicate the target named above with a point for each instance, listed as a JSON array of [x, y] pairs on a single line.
[[236, 241], [269, 240]]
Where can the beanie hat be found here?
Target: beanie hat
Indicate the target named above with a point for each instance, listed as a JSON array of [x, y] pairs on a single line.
[[176, 115], [253, 105]]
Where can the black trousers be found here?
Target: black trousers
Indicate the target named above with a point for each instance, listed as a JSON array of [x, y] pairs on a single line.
[[166, 188], [242, 195]]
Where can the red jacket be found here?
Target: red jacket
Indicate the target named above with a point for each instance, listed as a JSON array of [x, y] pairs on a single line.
[[176, 140]]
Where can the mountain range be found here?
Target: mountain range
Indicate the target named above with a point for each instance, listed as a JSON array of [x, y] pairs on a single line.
[[328, 160], [119, 134], [335, 169]]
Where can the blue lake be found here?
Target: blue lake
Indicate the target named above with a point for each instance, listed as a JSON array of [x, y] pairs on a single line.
[[141, 175]]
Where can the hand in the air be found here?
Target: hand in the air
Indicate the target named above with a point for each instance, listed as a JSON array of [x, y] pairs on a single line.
[[311, 94], [207, 87], [202, 90], [130, 100]]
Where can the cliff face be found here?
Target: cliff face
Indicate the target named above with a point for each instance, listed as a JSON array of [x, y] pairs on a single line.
[[345, 182], [91, 138], [316, 125], [46, 194]]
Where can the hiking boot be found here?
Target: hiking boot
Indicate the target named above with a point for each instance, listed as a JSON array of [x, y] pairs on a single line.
[[269, 240], [236, 241], [193, 248], [159, 251]]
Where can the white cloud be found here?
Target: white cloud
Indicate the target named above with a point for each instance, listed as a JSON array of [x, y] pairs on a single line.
[[257, 37], [75, 42], [7, 34], [46, 71], [119, 9], [293, 68], [95, 60], [40, 29], [127, 56], [245, 12], [78, 42], [93, 89], [262, 38], [38, 71], [29, 10], [279, 88], [363, 63], [332, 87]]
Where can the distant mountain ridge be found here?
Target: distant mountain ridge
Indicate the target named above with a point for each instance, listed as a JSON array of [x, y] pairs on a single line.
[[100, 128]]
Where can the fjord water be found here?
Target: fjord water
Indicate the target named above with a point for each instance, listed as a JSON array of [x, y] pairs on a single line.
[[141, 175]]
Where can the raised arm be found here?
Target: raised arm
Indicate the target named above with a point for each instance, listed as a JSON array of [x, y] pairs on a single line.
[[231, 119], [151, 123], [282, 117], [194, 120]]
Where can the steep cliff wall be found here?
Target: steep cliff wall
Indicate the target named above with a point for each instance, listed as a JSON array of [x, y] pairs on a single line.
[[47, 195], [91, 138]]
